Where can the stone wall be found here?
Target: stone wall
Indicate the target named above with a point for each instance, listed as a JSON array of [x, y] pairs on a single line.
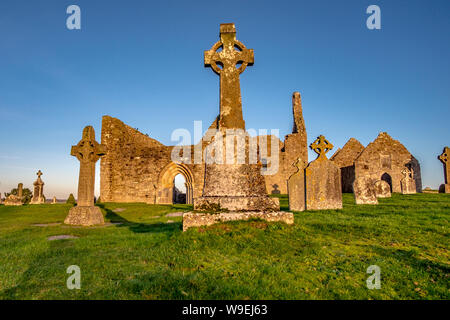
[[137, 168], [345, 159], [384, 159]]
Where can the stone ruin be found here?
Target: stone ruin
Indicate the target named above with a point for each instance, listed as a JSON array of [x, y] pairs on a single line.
[[345, 159], [38, 192], [88, 152], [15, 200], [444, 158], [137, 168], [383, 159]]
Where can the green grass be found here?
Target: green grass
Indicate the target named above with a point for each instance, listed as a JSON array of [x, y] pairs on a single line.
[[325, 255]]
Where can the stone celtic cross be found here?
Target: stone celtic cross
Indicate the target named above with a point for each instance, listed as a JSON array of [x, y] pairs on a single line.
[[444, 159], [408, 173], [87, 151], [229, 63], [321, 146], [39, 174]]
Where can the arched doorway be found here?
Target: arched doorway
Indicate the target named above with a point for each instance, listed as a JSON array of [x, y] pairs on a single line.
[[386, 177], [179, 189], [166, 183]]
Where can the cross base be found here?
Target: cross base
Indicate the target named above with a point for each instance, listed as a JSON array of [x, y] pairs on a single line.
[[84, 216], [192, 219], [236, 203]]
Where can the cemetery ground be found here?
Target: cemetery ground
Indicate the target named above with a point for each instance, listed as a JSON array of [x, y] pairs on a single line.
[[324, 255]]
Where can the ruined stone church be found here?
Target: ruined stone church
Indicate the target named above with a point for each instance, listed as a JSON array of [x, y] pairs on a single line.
[[383, 159], [137, 168]]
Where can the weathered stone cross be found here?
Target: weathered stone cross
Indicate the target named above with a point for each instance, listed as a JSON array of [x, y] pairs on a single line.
[[39, 174], [232, 54], [87, 151], [444, 159], [321, 146], [408, 174]]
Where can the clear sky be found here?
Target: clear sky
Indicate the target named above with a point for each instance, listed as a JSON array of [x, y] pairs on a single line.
[[142, 62]]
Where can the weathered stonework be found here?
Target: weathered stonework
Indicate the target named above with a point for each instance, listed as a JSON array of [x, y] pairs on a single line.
[[364, 191], [345, 159], [444, 158], [38, 194], [15, 200], [408, 185], [382, 189], [384, 159], [296, 187], [191, 219], [137, 168], [88, 152], [323, 179], [231, 184]]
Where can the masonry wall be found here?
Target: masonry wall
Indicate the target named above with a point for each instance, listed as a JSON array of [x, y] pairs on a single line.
[[386, 156], [137, 168]]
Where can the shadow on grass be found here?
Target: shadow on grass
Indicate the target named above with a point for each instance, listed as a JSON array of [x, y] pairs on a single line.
[[412, 258], [137, 227]]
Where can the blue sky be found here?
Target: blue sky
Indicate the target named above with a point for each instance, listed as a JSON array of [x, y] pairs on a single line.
[[142, 62]]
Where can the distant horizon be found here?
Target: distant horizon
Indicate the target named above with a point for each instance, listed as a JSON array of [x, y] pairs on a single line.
[[143, 64]]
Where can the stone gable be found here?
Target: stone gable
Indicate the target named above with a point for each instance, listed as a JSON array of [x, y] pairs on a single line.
[[384, 159], [345, 159]]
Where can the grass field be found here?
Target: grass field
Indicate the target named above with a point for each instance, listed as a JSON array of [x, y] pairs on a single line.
[[325, 255]]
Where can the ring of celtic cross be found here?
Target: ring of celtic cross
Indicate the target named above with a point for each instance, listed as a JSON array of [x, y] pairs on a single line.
[[215, 56]]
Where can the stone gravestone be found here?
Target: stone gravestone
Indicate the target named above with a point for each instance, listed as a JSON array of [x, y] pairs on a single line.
[[54, 200], [38, 192], [88, 152], [234, 188], [408, 184], [444, 157], [323, 179], [296, 187], [382, 189], [15, 200], [364, 191]]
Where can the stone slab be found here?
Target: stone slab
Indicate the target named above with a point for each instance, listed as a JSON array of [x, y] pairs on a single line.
[[61, 237], [175, 214], [46, 224], [382, 189], [193, 219]]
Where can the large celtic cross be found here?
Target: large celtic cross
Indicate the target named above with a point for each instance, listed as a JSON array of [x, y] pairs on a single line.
[[444, 159], [321, 146], [87, 151], [229, 58]]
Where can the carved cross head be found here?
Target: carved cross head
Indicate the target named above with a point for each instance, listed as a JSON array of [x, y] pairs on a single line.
[[234, 56], [321, 146], [444, 156], [88, 150], [408, 173]]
